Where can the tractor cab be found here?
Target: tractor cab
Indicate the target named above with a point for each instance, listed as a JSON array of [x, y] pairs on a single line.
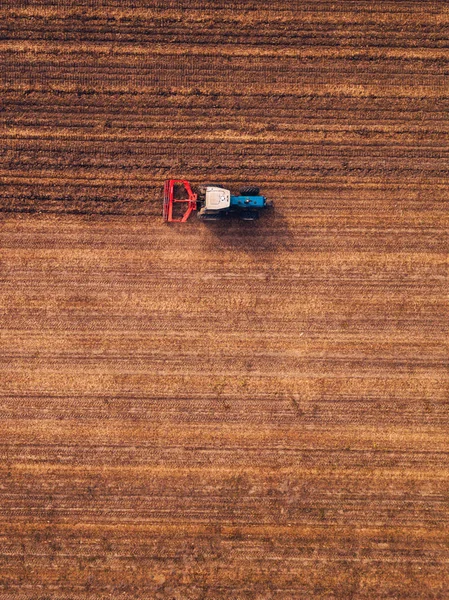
[[216, 198]]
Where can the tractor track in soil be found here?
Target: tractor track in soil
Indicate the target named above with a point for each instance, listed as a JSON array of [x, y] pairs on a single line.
[[224, 411]]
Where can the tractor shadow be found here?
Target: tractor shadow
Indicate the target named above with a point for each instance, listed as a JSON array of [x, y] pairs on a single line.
[[269, 235]]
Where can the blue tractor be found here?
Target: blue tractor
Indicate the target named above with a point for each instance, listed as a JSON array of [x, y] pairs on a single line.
[[211, 201]]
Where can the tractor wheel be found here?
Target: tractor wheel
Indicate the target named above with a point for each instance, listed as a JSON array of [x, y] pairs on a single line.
[[249, 215], [249, 190], [209, 217]]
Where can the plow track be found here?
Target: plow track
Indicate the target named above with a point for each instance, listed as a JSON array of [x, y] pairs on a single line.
[[236, 410]]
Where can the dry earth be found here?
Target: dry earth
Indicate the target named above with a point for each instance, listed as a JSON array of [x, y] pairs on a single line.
[[235, 411]]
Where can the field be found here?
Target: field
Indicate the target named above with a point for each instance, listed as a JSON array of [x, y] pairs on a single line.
[[244, 411]]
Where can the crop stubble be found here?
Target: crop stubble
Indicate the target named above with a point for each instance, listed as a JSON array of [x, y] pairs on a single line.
[[243, 410]]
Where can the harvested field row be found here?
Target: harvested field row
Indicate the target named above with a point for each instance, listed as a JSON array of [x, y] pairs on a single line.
[[291, 30]]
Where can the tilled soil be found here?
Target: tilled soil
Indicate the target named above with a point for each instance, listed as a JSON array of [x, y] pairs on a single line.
[[229, 410]]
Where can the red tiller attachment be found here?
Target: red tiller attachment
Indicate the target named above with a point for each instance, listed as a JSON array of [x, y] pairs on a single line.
[[173, 187]]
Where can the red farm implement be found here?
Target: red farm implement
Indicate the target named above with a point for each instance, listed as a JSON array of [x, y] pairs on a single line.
[[175, 191]]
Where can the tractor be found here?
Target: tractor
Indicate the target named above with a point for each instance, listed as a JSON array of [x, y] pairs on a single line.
[[211, 201]]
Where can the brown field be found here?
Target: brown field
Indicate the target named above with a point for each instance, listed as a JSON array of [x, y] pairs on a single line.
[[237, 410]]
